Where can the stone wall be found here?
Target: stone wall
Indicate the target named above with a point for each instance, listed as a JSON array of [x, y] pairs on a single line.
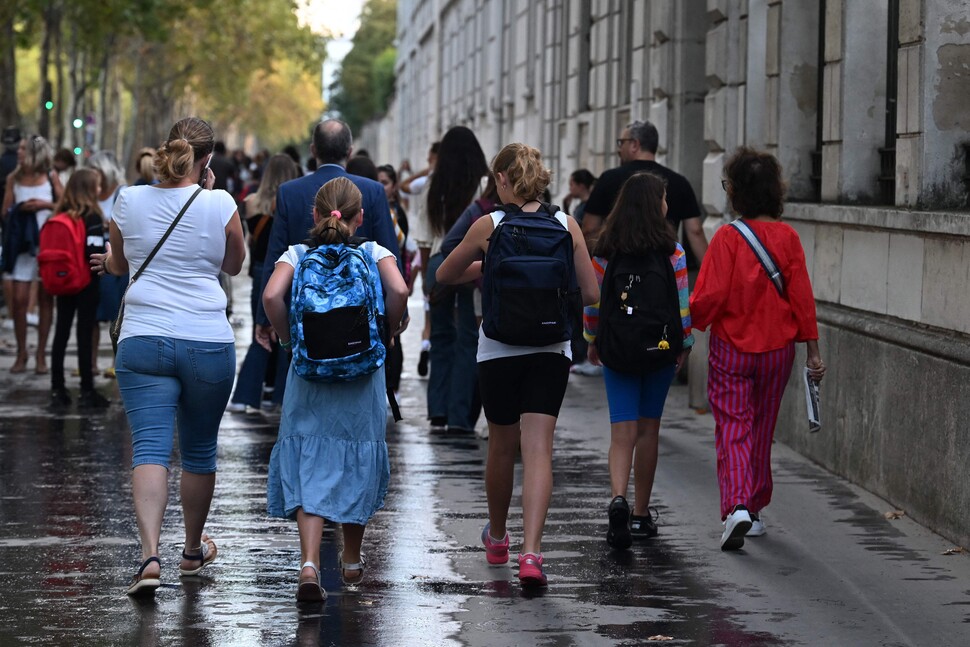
[[864, 104]]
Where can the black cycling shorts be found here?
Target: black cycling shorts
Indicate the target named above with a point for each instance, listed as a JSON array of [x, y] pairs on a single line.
[[520, 384]]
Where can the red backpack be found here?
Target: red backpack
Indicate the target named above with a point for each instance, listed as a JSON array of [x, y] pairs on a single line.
[[63, 268]]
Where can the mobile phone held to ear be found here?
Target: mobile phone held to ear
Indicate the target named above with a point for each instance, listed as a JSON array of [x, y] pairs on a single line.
[[205, 171]]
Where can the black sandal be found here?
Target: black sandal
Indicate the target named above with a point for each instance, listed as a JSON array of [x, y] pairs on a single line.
[[144, 586], [205, 556]]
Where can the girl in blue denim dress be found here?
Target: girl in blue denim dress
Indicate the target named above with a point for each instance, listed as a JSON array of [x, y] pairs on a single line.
[[330, 459]]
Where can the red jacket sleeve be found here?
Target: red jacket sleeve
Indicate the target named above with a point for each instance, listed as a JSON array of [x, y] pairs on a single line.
[[713, 282]]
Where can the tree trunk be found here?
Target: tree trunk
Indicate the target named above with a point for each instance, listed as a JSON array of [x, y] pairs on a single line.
[[46, 94], [9, 114], [59, 93]]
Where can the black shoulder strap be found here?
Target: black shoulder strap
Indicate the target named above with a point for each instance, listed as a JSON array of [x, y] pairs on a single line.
[[762, 254]]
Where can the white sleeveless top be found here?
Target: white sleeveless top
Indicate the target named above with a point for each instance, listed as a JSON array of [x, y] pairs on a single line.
[[490, 349]]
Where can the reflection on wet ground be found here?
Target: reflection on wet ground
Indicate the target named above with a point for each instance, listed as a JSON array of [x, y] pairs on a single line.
[[68, 547]]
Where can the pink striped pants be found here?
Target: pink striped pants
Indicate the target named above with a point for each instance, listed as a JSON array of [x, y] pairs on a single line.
[[745, 391]]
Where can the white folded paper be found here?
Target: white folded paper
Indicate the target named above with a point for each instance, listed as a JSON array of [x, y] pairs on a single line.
[[811, 403]]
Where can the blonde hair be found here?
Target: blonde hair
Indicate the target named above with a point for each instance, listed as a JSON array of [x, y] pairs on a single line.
[[522, 165], [145, 164], [38, 157], [338, 195], [81, 194], [190, 140], [279, 169]]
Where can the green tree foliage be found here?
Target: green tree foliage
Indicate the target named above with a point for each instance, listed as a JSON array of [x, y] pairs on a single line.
[[365, 82], [138, 65]]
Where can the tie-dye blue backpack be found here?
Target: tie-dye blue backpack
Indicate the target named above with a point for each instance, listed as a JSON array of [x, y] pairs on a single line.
[[337, 314]]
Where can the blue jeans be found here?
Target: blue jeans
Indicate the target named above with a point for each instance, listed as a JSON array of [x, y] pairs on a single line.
[[168, 384], [252, 374], [454, 373]]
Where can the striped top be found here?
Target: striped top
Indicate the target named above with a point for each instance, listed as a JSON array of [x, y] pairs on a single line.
[[591, 316]]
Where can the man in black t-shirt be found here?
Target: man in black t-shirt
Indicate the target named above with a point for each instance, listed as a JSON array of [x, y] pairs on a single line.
[[637, 148]]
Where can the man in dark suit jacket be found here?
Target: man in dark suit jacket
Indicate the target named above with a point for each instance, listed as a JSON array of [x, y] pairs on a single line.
[[332, 145]]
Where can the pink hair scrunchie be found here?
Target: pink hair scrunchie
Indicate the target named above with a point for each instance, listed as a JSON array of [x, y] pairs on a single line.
[[336, 214]]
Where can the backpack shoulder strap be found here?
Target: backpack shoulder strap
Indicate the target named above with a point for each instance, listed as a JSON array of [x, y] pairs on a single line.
[[762, 254]]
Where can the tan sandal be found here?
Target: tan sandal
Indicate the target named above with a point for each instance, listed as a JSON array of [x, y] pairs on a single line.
[[309, 589]]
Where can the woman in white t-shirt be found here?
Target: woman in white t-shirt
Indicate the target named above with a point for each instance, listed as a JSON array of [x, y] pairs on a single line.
[[176, 357]]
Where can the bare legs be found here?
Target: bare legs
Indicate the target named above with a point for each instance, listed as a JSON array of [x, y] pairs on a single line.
[[535, 433], [20, 303], [634, 443], [20, 293], [311, 532], [196, 493], [150, 489]]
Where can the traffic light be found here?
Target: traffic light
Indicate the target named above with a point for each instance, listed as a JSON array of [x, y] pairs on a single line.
[[78, 122], [78, 150], [48, 105]]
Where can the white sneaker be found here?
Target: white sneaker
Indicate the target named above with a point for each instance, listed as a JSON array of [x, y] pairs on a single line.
[[757, 526], [586, 369], [32, 319], [737, 524], [236, 407]]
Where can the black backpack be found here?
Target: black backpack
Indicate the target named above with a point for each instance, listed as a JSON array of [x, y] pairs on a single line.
[[640, 329], [529, 290]]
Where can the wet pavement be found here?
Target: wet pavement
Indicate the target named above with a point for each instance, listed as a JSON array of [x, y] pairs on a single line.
[[832, 570]]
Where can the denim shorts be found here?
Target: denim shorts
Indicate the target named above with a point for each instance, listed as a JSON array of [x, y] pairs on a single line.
[[175, 384]]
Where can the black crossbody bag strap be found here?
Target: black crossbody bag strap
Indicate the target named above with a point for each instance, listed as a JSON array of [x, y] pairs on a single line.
[[762, 254]]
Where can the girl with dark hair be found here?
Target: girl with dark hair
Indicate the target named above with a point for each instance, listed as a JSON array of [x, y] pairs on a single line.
[[333, 466], [456, 183], [754, 327], [80, 202], [522, 387], [636, 227]]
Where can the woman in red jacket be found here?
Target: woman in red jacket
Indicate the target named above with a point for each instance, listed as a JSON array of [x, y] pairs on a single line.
[[754, 327]]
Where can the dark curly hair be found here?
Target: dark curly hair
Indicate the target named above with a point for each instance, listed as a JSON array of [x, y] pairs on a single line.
[[755, 185]]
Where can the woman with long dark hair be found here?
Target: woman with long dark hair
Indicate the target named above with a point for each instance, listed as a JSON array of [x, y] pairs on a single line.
[[456, 182], [636, 228]]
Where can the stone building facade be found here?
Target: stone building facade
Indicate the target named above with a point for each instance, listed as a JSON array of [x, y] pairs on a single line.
[[867, 105]]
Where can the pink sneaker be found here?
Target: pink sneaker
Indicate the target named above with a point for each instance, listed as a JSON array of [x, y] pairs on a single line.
[[496, 552], [530, 570]]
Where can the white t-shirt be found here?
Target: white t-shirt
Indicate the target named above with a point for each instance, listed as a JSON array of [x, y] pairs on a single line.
[[295, 253], [179, 295], [490, 349]]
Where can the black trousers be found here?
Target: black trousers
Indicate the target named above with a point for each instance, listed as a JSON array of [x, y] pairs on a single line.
[[85, 304]]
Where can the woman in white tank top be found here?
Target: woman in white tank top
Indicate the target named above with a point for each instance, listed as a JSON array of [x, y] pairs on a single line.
[[36, 189]]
